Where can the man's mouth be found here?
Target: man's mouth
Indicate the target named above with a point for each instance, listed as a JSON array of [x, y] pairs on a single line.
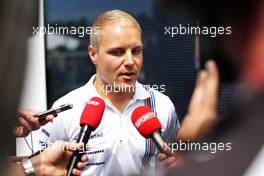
[[128, 75]]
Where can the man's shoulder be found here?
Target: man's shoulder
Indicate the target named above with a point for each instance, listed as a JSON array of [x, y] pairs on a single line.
[[73, 96], [79, 94]]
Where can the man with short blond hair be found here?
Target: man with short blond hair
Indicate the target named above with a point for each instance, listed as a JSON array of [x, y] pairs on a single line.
[[117, 148], [108, 18]]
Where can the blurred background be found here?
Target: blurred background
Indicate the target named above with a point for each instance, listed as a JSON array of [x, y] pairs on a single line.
[[170, 61]]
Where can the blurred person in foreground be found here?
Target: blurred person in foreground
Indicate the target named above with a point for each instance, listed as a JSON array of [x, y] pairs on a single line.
[[243, 126], [16, 15]]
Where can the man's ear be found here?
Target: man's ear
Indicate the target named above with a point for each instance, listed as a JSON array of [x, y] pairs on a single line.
[[93, 54]]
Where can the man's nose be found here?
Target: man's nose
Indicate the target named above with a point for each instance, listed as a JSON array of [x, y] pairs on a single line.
[[129, 59]]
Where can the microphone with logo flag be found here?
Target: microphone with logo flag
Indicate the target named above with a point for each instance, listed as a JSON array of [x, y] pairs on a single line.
[[148, 125]]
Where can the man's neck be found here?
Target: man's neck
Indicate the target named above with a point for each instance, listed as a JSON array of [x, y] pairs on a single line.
[[118, 99]]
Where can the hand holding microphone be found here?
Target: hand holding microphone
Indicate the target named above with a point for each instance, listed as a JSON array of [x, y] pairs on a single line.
[[30, 120], [90, 120]]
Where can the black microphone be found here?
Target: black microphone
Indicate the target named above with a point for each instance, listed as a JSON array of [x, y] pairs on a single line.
[[90, 120]]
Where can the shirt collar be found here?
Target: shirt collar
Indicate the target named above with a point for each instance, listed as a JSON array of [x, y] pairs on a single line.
[[140, 92], [90, 87]]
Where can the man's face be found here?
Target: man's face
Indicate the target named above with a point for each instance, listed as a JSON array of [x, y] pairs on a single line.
[[118, 58]]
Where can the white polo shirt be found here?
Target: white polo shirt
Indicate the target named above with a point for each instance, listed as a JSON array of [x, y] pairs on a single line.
[[117, 148]]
